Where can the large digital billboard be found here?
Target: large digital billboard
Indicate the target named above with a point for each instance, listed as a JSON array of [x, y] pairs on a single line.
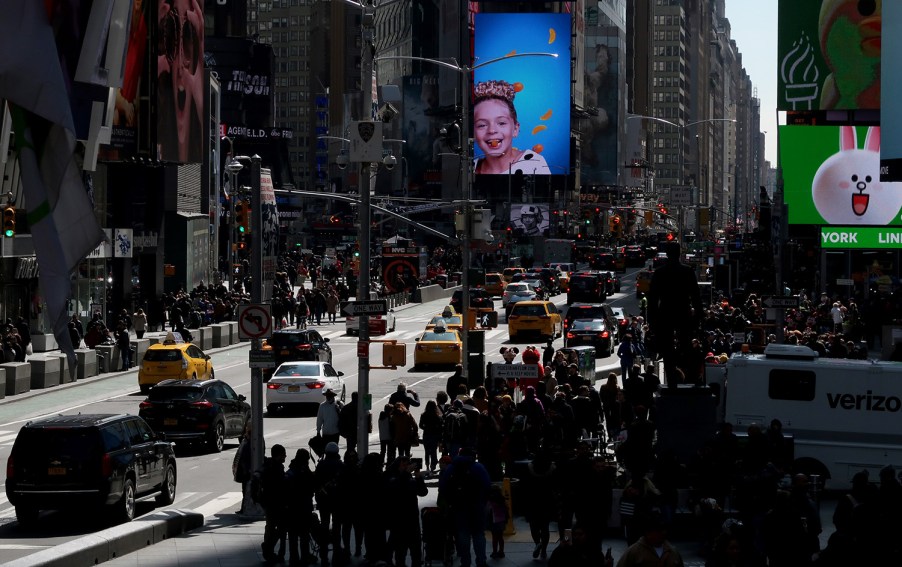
[[180, 81], [521, 105], [828, 55], [529, 219], [831, 176]]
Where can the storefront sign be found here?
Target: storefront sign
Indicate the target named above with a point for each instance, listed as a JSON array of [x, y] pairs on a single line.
[[865, 237]]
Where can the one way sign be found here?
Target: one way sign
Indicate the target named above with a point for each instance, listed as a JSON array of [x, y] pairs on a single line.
[[372, 307], [781, 301]]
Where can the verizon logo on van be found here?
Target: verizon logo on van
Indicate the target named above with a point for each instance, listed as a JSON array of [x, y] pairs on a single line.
[[866, 402]]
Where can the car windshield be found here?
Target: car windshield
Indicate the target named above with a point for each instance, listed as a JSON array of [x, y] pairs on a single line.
[[433, 336], [453, 320], [56, 443], [529, 310], [298, 370], [588, 325], [166, 393], [163, 355], [584, 312]]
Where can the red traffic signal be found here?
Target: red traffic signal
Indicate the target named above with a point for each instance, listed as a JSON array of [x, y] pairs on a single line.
[[669, 237]]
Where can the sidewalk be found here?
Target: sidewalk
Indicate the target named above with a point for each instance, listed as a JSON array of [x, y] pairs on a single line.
[[226, 541]]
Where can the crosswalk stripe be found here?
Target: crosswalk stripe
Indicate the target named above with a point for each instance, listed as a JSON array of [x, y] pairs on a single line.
[[218, 504], [274, 433], [6, 437]]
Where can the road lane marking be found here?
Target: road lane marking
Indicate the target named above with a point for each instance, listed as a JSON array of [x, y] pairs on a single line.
[[218, 504]]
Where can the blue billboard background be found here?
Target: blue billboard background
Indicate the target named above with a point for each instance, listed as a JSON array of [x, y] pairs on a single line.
[[545, 80]]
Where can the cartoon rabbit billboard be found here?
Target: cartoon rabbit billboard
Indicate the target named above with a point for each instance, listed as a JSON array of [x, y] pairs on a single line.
[[832, 178]]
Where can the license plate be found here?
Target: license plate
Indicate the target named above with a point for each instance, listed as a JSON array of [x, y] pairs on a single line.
[[171, 421], [436, 350], [285, 352], [294, 388], [56, 471]]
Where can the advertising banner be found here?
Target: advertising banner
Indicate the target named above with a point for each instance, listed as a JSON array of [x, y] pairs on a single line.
[[529, 219], [180, 81], [421, 130], [521, 105], [871, 238], [832, 177], [828, 55], [891, 90]]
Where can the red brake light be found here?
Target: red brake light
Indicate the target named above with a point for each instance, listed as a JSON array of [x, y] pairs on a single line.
[[316, 385], [455, 346], [106, 465], [307, 346], [273, 385], [570, 335], [603, 334], [145, 405], [10, 468], [202, 405]]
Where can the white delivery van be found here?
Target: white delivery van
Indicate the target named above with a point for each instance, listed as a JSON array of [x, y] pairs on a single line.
[[844, 415]]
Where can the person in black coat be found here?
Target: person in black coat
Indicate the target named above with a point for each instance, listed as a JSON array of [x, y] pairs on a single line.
[[300, 485], [328, 498], [404, 486], [272, 480]]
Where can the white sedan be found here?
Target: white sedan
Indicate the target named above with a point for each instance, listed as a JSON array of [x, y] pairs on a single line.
[[517, 291], [302, 383]]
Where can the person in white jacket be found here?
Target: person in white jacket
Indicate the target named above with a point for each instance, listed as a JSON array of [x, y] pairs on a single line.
[[327, 417]]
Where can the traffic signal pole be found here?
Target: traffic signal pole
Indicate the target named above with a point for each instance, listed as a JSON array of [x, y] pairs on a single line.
[[364, 402]]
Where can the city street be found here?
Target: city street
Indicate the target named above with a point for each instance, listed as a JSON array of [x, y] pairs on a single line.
[[205, 483]]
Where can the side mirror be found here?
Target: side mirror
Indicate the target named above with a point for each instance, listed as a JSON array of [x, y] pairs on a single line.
[[241, 397], [325, 339], [340, 373]]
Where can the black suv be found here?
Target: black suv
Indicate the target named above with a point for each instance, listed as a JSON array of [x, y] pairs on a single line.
[[589, 311], [479, 298], [188, 410], [85, 461], [587, 286], [289, 345]]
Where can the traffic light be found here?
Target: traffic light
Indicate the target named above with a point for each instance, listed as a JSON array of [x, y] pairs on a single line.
[[649, 218], [670, 237], [9, 221], [242, 217]]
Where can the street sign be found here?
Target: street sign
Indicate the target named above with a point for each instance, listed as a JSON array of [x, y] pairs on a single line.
[[363, 349], [780, 301], [254, 321], [680, 197], [512, 371], [371, 307], [261, 359]]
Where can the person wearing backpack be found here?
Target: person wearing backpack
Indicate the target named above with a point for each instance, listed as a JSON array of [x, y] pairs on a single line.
[[270, 493], [464, 486], [454, 429]]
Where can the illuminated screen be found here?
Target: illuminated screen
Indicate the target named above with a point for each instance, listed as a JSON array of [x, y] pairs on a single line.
[[180, 81], [521, 105], [831, 176], [828, 55], [529, 219]]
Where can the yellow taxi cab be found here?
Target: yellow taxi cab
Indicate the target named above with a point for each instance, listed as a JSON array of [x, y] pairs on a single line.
[[494, 284], [438, 345], [508, 273], [540, 318], [454, 321], [176, 359], [563, 281]]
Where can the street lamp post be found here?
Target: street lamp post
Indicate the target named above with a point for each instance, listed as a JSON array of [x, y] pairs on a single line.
[[234, 167]]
